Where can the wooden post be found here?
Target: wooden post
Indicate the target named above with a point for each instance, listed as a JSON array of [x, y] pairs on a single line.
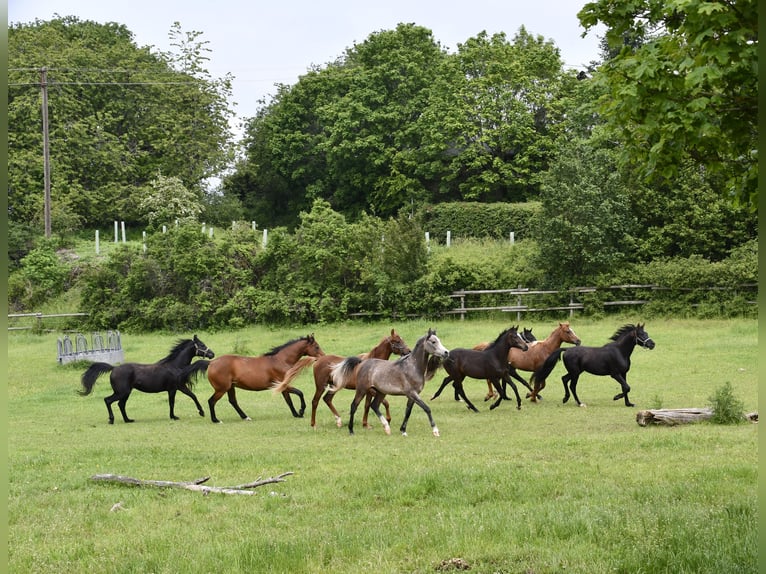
[[46, 152]]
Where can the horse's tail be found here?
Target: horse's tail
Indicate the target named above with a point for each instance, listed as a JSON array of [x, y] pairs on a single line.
[[291, 373], [539, 376], [91, 374], [342, 373], [190, 372]]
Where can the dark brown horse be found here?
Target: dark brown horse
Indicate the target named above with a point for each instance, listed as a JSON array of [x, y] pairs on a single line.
[[491, 363], [392, 344], [534, 357], [230, 372], [404, 377]]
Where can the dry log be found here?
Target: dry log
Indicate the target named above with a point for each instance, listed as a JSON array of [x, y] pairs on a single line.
[[196, 485], [672, 417]]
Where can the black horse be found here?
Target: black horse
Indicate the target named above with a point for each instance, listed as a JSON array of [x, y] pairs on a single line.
[[169, 375], [612, 359], [490, 363]]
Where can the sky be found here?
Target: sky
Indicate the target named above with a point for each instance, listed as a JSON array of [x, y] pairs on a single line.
[[263, 43]]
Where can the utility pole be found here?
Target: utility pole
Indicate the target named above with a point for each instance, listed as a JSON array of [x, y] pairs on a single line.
[[46, 151]]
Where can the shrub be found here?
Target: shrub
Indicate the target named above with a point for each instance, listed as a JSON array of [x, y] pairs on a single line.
[[727, 409]]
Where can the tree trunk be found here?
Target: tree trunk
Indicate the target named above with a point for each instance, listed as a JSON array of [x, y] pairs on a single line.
[[672, 417]]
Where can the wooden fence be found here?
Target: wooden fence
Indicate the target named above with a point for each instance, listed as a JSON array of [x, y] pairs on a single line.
[[567, 300], [37, 322]]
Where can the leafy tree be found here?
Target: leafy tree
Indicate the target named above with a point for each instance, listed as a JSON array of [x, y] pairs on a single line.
[[167, 201], [493, 116], [586, 227], [686, 85], [118, 113]]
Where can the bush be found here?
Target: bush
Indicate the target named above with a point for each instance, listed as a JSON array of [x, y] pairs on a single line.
[[727, 409]]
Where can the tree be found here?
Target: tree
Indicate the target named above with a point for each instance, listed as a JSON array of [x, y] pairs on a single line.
[[167, 201], [685, 86], [493, 118], [119, 114]]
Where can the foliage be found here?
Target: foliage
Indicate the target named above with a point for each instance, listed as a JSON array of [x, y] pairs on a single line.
[[119, 114], [167, 201], [41, 275], [586, 227], [472, 219], [685, 85], [727, 408]]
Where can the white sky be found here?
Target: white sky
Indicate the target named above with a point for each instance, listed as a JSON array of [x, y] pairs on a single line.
[[262, 43]]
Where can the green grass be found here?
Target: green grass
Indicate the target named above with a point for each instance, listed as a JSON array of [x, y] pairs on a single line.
[[549, 488]]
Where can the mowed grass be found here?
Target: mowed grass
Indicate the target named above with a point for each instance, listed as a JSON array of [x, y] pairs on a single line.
[[547, 489]]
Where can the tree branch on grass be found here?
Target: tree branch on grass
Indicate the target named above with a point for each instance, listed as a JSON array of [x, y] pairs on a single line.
[[195, 485]]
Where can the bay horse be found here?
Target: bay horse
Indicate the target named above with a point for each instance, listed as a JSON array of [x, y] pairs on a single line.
[[164, 376], [230, 372], [404, 377], [612, 359], [534, 357], [389, 345], [490, 363]]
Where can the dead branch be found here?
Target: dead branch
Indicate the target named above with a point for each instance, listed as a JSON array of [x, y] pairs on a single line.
[[195, 485], [672, 417]]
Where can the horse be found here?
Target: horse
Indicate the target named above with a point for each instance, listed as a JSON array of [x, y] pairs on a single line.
[[404, 377], [490, 363], [535, 356], [391, 344], [230, 372], [612, 359], [526, 335], [164, 376]]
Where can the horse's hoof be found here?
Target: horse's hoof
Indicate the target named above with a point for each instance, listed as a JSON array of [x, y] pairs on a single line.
[[248, 419], [583, 405], [338, 423], [388, 430], [404, 433], [436, 431], [175, 418]]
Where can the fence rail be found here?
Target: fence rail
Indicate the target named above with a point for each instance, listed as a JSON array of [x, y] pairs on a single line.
[[518, 306], [39, 318]]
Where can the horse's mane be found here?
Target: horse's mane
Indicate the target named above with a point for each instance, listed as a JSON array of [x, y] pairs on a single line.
[[276, 350], [622, 330], [180, 346], [499, 338], [432, 366]]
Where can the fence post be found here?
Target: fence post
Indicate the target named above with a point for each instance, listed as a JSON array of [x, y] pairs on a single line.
[[123, 232], [116, 232], [513, 237], [449, 238], [97, 244], [265, 238]]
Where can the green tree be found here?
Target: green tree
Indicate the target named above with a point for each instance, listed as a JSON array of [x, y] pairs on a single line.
[[494, 117], [167, 201], [684, 86], [118, 114], [586, 227]]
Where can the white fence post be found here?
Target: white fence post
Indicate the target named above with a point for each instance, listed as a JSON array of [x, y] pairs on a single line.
[[143, 234], [512, 237], [116, 232], [265, 238], [449, 238], [123, 232], [97, 244]]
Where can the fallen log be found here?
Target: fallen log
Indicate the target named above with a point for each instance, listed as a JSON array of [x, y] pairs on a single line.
[[196, 485], [673, 417]]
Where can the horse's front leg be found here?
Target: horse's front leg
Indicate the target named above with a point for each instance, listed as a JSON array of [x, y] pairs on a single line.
[[508, 381], [514, 374], [625, 390], [172, 403], [232, 392], [415, 399]]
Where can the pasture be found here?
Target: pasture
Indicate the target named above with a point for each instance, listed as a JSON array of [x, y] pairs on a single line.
[[546, 489]]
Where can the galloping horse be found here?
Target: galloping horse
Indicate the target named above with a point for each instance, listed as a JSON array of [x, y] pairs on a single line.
[[229, 372], [612, 359], [491, 363], [392, 344], [535, 356], [163, 376], [405, 376]]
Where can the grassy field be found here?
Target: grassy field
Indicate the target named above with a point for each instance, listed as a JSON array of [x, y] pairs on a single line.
[[547, 489]]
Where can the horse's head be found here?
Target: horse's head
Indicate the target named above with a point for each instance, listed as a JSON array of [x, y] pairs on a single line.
[[642, 337], [201, 350], [312, 347], [433, 345], [398, 346], [516, 340], [568, 335], [528, 336]]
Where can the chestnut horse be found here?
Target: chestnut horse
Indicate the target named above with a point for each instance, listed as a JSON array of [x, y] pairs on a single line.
[[229, 372], [392, 344], [535, 356]]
